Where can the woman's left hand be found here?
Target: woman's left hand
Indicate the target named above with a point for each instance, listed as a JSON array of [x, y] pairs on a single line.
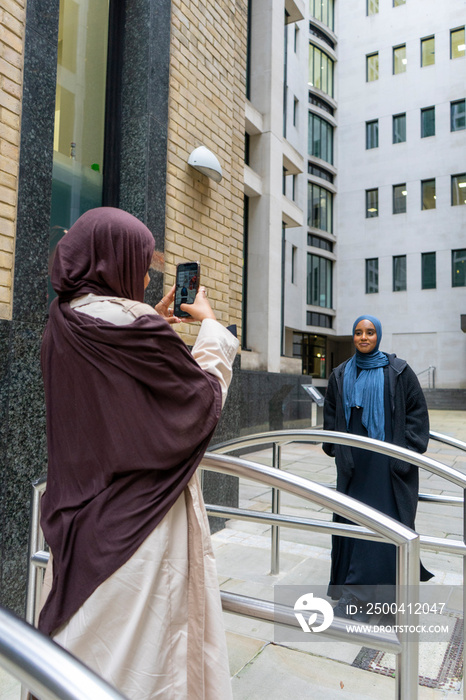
[[164, 309]]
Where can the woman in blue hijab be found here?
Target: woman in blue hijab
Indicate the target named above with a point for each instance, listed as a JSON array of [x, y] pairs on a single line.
[[378, 395]]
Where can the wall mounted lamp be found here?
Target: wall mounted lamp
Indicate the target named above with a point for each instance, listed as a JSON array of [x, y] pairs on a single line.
[[206, 162]]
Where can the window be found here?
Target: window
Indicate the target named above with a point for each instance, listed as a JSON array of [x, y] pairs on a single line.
[[319, 172], [372, 7], [458, 268], [428, 51], [428, 195], [396, 3], [320, 70], [399, 128], [458, 189], [457, 43], [323, 11], [319, 281], [458, 115], [399, 59], [296, 33], [428, 271], [294, 255], [294, 187], [372, 203], [78, 175], [399, 273], [372, 67], [311, 348], [372, 134], [315, 319], [320, 208], [322, 104], [295, 111], [320, 138], [318, 242], [427, 122], [372, 275], [399, 198]]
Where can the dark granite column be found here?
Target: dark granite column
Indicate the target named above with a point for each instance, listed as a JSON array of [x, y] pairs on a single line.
[[22, 433], [144, 132]]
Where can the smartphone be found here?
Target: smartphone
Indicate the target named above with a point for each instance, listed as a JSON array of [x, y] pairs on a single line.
[[186, 286]]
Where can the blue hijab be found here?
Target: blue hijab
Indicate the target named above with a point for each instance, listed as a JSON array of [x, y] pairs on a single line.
[[366, 389]]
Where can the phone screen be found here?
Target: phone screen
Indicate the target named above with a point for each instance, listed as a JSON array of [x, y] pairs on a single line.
[[187, 284]]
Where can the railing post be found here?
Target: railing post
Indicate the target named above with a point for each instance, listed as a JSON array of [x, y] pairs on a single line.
[[464, 585], [275, 532], [407, 661]]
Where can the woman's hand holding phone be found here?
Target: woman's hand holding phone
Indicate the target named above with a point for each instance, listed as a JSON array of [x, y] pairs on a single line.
[[200, 308]]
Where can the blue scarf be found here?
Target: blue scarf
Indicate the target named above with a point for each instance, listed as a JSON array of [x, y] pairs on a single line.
[[366, 390]]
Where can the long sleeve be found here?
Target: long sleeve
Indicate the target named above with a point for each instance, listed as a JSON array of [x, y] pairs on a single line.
[[215, 350]]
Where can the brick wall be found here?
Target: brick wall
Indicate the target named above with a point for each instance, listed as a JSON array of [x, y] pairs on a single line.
[[12, 23], [204, 220]]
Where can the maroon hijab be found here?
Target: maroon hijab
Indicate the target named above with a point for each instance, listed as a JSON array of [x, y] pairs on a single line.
[[129, 412]]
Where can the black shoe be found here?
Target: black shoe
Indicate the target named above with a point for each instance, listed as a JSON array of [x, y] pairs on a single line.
[[350, 608], [342, 608]]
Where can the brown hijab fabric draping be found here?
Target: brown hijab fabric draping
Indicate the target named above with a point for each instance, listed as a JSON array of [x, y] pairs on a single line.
[[129, 413]]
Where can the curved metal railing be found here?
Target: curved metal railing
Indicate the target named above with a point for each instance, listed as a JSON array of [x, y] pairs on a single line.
[[280, 438], [47, 670], [377, 524], [372, 525]]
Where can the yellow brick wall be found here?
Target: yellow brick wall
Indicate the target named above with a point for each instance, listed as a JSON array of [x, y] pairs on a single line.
[[204, 219], [12, 25]]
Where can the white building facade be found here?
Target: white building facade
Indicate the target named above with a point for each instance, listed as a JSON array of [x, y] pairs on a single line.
[[355, 183], [401, 203]]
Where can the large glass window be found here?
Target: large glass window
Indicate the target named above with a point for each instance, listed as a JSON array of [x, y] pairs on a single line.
[[398, 2], [372, 7], [399, 128], [399, 273], [400, 196], [372, 203], [320, 70], [458, 115], [372, 67], [372, 275], [458, 268], [78, 143], [428, 271], [399, 59], [458, 189], [323, 11], [320, 208], [428, 195], [320, 138], [427, 122], [428, 51], [319, 281], [372, 134], [457, 43]]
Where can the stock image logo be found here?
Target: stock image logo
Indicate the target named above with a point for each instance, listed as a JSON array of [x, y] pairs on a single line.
[[308, 604]]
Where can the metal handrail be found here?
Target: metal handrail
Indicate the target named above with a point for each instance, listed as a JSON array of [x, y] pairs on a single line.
[[262, 609], [447, 440], [45, 668], [406, 541], [431, 370], [280, 438]]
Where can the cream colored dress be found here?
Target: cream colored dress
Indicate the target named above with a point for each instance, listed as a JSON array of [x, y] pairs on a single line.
[[154, 628]]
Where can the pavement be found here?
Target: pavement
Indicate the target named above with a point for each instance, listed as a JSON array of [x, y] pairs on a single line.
[[264, 669]]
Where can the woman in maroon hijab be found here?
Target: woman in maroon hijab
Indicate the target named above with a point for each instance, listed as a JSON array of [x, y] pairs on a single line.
[[130, 412]]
